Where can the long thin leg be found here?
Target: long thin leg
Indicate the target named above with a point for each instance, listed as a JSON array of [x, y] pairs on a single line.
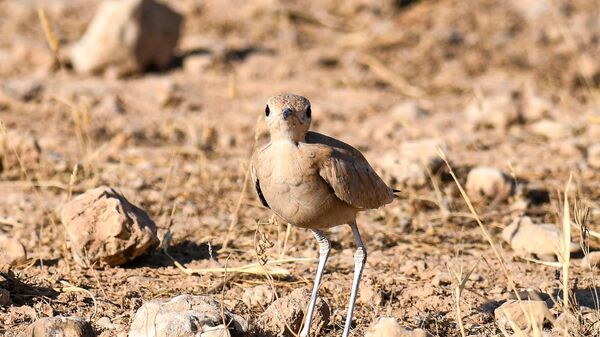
[[360, 258], [324, 248]]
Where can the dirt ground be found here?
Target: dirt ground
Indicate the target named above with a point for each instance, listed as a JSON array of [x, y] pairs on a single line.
[[177, 144]]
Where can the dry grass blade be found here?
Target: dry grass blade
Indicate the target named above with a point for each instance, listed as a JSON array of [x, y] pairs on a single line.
[[462, 282], [48, 32], [389, 77], [68, 287], [566, 251]]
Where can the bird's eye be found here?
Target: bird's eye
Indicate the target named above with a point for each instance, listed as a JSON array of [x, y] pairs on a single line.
[[308, 112], [267, 111]]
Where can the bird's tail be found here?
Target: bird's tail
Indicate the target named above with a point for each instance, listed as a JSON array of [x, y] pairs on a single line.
[[396, 193]]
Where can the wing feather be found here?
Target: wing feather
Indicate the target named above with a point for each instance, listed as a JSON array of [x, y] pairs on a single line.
[[349, 174]]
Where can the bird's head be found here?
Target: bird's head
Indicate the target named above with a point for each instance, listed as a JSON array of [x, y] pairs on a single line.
[[288, 117]]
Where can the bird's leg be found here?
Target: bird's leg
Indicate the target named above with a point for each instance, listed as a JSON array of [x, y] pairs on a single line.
[[360, 258], [323, 255]]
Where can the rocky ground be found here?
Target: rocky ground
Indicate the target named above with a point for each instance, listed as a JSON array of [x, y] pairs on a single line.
[[507, 90]]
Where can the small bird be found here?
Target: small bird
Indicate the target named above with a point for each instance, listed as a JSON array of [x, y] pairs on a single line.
[[316, 182]]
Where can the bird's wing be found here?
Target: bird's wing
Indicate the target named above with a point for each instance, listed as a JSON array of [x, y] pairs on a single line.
[[253, 165], [349, 174]]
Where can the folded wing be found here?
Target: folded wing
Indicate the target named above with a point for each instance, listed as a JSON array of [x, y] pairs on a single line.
[[351, 177]]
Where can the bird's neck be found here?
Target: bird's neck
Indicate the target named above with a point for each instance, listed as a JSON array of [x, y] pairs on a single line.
[[288, 136]]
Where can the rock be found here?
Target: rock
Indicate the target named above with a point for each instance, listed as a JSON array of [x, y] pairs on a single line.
[[537, 313], [128, 35], [389, 327], [593, 156], [550, 129], [196, 64], [26, 146], [259, 296], [12, 252], [566, 321], [4, 297], [60, 327], [105, 323], [102, 227], [409, 166], [496, 111], [291, 310], [594, 260], [407, 112], [23, 89], [184, 315], [526, 237], [536, 107], [488, 183]]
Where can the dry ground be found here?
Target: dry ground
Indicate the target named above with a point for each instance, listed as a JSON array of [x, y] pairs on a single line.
[[181, 140]]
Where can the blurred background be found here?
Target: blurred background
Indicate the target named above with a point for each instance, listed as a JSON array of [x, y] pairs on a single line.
[[162, 102]]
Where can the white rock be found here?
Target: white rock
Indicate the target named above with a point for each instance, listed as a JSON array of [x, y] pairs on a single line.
[[184, 315], [410, 164], [129, 35], [12, 252], [550, 129], [496, 111], [407, 111], [593, 155], [59, 326], [536, 313], [489, 183], [536, 107], [260, 296], [102, 227], [389, 327], [594, 260], [526, 237]]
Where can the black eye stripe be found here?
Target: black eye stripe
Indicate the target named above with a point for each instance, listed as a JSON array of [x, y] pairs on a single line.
[[308, 112], [267, 110]]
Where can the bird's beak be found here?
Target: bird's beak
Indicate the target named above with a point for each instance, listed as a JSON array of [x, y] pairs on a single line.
[[286, 113]]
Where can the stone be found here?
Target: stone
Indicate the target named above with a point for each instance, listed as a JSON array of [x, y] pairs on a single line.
[[594, 260], [550, 129], [497, 111], [185, 315], [290, 311], [260, 296], [526, 237], [407, 112], [410, 165], [488, 183], [103, 228], [23, 89], [196, 65], [536, 107], [537, 313], [389, 327], [593, 156], [128, 36], [4, 297], [12, 252], [59, 327], [26, 146]]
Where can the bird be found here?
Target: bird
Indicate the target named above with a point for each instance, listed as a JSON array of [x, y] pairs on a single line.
[[316, 182]]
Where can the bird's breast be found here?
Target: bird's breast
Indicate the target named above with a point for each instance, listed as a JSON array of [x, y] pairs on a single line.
[[292, 185]]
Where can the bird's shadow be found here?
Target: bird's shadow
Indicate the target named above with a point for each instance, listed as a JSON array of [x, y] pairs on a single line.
[[22, 293], [183, 252]]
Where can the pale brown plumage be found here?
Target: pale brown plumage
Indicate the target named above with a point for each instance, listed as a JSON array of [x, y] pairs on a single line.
[[309, 179], [314, 181]]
